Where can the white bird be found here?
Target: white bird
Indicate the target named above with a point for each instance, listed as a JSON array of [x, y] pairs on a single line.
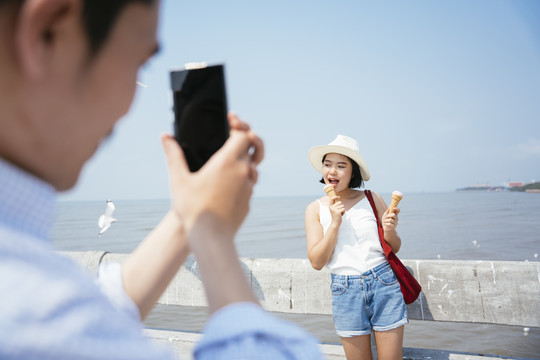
[[105, 221]]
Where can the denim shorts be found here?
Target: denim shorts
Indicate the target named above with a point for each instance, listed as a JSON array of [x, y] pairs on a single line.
[[371, 301]]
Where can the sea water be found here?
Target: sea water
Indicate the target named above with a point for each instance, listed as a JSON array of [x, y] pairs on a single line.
[[446, 226]]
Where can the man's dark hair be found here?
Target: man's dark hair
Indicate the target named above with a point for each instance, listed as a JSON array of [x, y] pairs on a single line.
[[98, 18], [356, 177]]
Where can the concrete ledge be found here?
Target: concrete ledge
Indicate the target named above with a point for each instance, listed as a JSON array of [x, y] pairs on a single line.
[[182, 344], [428, 354]]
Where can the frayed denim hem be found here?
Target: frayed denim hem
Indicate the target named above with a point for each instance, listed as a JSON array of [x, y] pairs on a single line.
[[348, 334]]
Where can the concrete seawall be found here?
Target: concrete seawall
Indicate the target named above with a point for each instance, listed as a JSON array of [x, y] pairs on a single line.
[[491, 292], [494, 292]]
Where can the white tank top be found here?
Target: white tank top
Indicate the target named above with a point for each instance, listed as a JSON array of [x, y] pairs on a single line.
[[358, 247]]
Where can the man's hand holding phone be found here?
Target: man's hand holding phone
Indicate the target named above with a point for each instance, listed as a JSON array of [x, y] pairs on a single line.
[[223, 186]]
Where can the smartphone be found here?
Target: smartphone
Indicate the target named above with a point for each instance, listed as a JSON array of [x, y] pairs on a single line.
[[200, 111]]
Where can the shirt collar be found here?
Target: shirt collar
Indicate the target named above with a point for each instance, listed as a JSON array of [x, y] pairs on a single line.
[[27, 204]]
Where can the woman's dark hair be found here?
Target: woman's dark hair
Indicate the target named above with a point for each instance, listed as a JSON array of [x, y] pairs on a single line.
[[98, 17], [356, 177]]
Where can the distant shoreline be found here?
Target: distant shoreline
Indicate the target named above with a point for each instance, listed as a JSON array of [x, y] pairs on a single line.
[[529, 188]]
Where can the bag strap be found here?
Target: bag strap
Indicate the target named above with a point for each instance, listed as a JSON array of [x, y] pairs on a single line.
[[386, 248]]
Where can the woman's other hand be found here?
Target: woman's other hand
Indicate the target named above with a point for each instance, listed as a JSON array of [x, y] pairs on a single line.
[[390, 220]]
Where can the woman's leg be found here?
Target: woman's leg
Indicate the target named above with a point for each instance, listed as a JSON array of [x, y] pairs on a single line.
[[389, 344], [357, 347]]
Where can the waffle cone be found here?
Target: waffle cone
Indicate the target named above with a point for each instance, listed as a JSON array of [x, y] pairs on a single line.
[[329, 190], [395, 201]]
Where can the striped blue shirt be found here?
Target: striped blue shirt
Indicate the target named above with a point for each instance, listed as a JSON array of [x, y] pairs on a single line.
[[51, 309]]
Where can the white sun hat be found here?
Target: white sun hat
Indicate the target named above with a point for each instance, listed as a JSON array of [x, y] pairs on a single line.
[[343, 145]]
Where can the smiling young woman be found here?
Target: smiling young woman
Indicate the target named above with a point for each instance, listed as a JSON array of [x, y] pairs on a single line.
[[341, 233]]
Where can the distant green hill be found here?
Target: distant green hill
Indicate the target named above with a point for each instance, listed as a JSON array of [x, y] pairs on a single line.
[[530, 186]]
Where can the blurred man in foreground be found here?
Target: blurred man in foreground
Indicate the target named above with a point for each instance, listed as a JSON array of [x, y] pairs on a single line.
[[68, 71]]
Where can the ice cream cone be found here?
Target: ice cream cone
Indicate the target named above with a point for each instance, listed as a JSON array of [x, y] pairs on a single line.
[[396, 198], [330, 191]]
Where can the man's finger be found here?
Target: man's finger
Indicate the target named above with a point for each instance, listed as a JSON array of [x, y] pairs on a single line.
[[235, 123], [176, 160], [254, 174], [257, 147], [237, 144]]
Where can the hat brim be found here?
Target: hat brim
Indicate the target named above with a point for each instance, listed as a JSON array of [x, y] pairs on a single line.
[[317, 153]]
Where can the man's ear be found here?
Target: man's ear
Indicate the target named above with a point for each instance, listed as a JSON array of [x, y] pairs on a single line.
[[38, 29]]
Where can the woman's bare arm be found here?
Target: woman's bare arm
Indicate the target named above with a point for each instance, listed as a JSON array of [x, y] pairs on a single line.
[[320, 246]]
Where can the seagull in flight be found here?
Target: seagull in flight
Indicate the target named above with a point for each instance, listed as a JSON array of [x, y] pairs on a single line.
[[105, 221]]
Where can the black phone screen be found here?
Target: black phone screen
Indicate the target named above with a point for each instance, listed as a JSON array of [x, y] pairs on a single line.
[[200, 112]]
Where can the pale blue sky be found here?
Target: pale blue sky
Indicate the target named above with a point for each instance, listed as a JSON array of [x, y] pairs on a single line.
[[440, 94]]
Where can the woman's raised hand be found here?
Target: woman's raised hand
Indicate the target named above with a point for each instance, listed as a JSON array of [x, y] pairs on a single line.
[[337, 209]]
